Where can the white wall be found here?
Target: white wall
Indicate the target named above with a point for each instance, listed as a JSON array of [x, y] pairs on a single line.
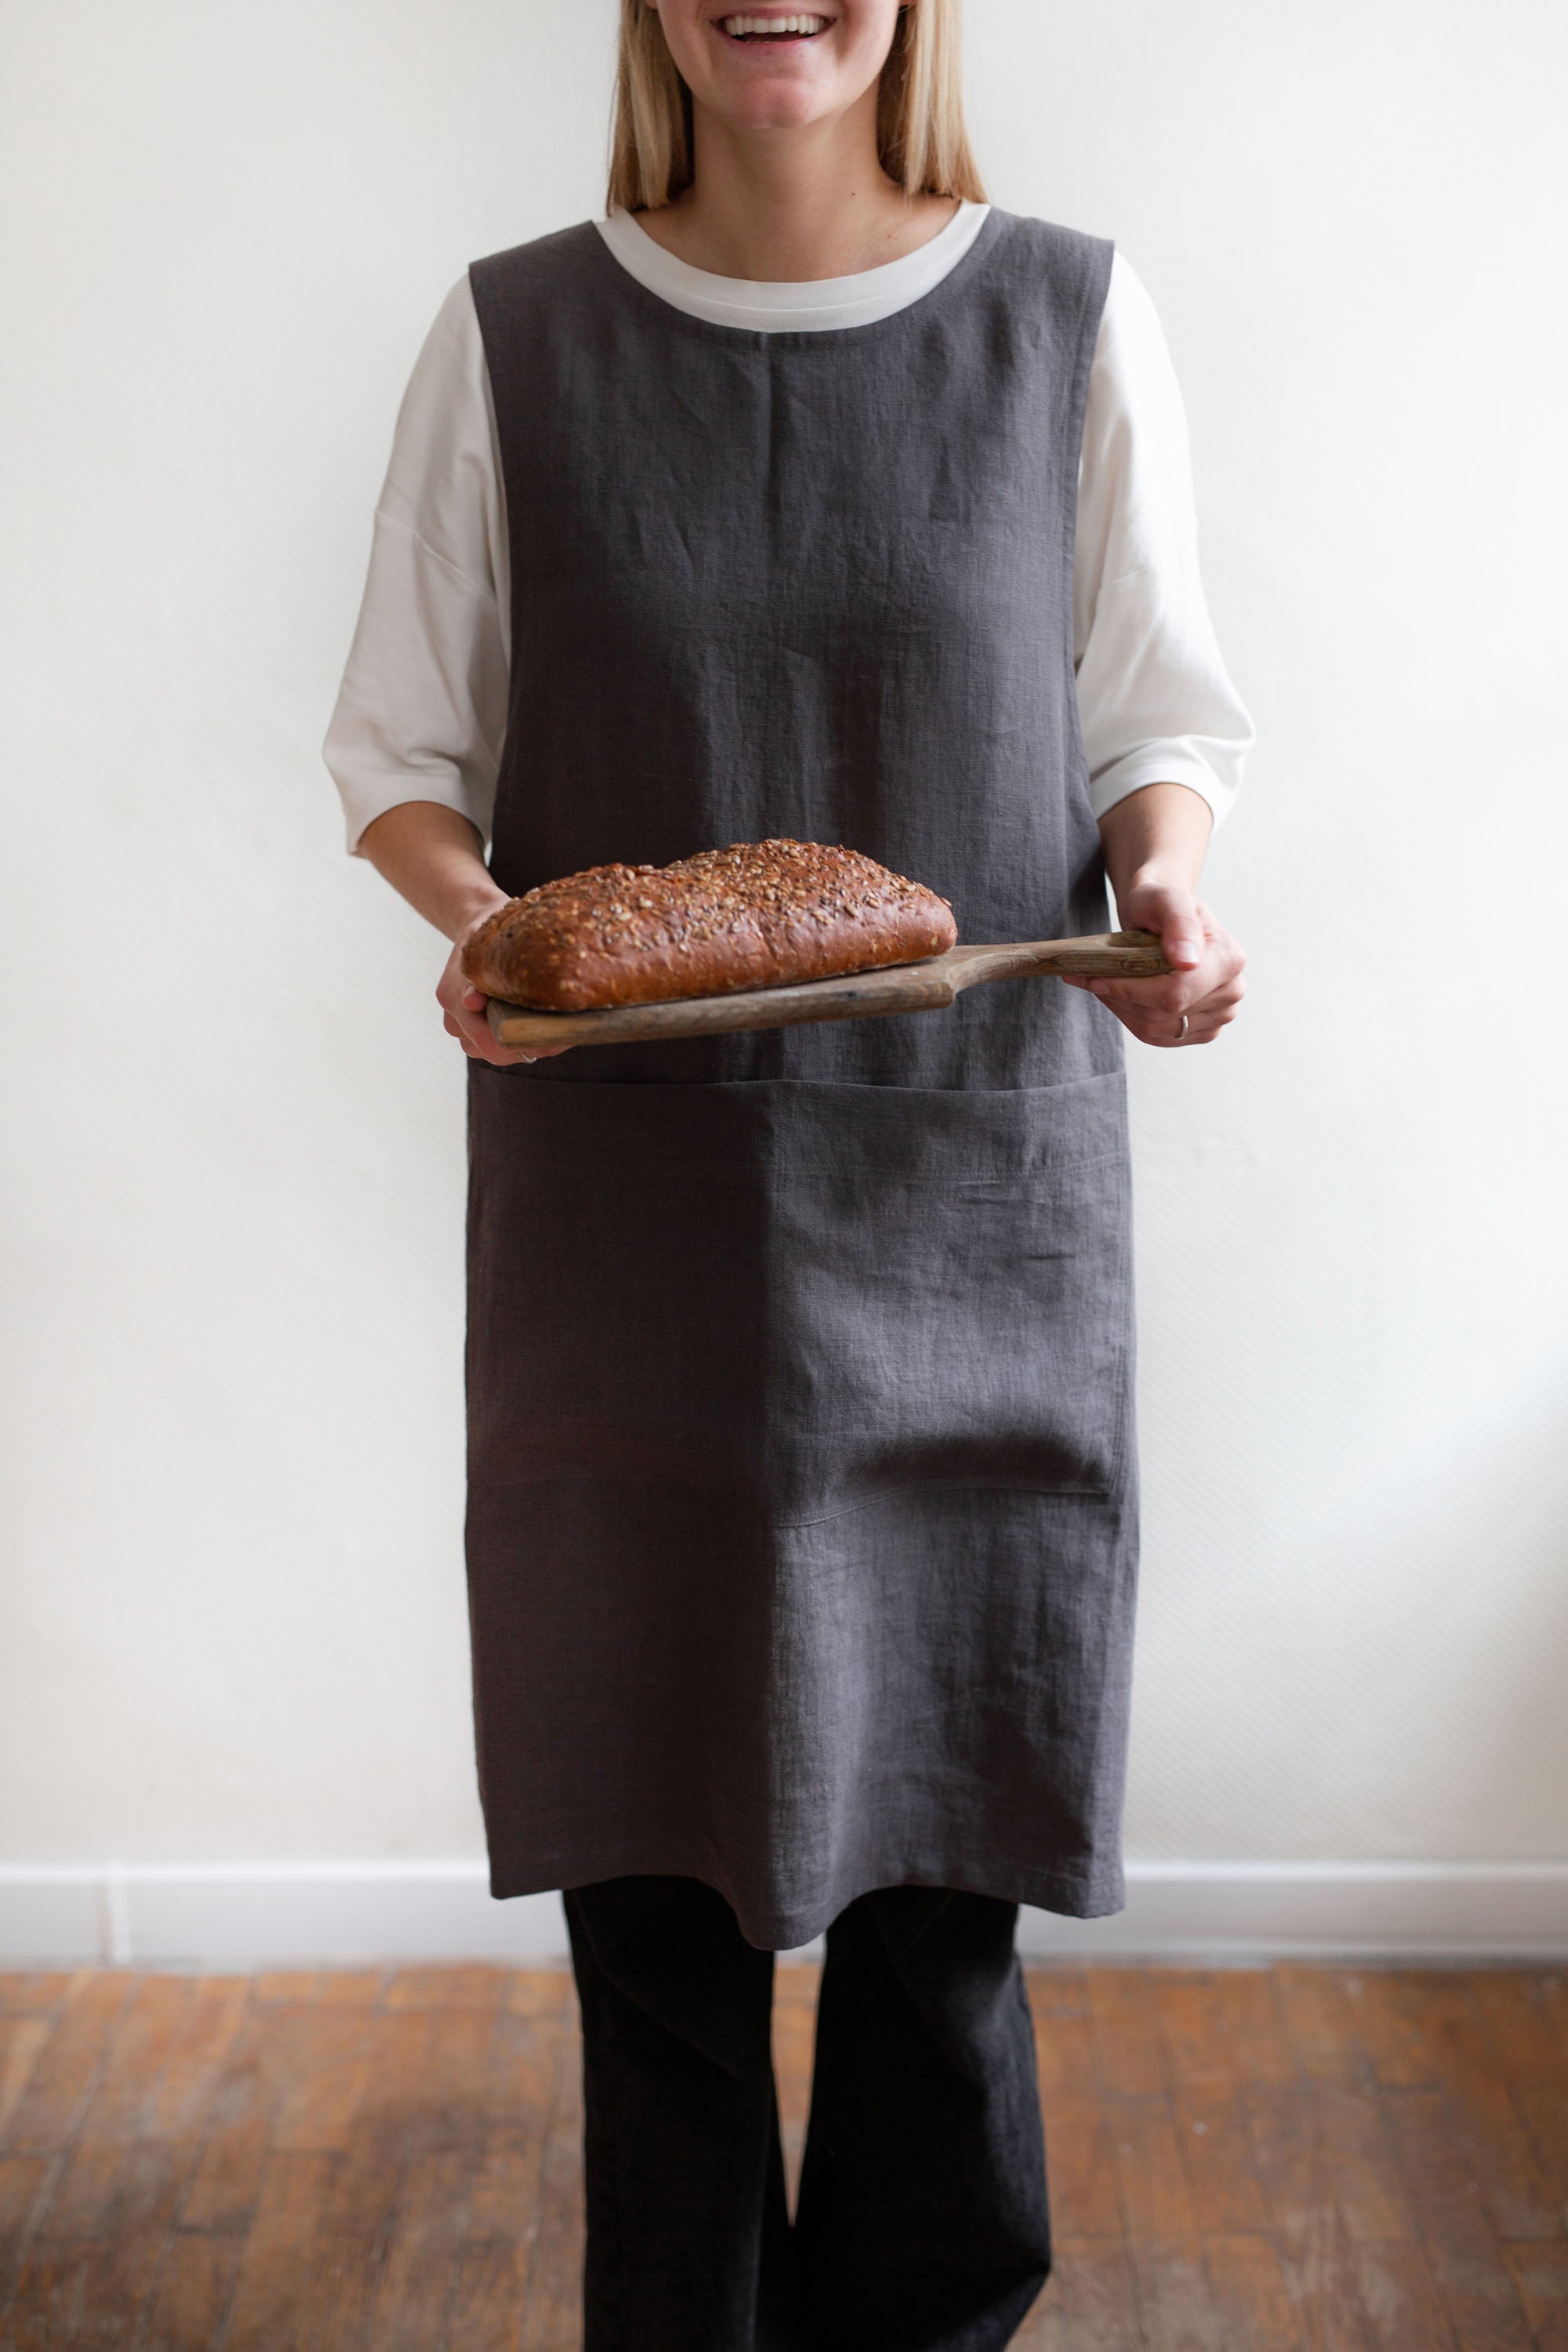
[[234, 1618]]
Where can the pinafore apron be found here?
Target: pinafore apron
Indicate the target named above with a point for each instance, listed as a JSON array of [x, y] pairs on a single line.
[[802, 1518]]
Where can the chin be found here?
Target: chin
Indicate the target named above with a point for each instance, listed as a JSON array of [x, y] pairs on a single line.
[[768, 102], [762, 109]]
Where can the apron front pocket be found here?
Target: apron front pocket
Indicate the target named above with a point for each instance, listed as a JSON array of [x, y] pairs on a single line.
[[949, 1297]]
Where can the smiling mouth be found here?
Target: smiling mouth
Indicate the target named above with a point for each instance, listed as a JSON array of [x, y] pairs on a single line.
[[747, 30]]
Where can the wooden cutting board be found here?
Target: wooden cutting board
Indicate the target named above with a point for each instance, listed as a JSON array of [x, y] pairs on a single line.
[[900, 987]]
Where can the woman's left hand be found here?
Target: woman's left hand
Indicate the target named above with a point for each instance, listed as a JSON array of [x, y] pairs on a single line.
[[1205, 983]]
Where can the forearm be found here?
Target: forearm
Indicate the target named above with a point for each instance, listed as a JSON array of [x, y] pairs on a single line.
[[1155, 838], [433, 857]]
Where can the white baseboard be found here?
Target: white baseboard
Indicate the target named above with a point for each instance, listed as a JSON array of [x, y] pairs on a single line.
[[247, 1915], [1318, 1910]]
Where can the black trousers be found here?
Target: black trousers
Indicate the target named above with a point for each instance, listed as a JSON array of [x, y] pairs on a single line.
[[923, 2222]]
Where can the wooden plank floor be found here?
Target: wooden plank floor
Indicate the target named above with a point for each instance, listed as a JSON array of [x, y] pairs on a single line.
[[1279, 2159]]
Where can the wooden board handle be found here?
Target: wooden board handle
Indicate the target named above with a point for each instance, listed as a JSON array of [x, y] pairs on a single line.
[[1104, 955]]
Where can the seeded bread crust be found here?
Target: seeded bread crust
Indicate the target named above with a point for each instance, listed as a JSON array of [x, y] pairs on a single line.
[[759, 914]]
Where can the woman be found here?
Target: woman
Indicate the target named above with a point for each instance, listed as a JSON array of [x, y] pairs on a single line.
[[802, 1520]]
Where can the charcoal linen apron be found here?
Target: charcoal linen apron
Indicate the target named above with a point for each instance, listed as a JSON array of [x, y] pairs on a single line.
[[801, 1535]]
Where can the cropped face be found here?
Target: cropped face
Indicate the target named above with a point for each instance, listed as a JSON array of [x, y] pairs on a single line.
[[773, 68]]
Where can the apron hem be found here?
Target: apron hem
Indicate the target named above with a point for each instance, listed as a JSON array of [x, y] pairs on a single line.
[[1095, 1893]]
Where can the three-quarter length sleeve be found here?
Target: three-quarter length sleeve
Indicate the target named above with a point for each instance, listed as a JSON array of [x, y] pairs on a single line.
[[421, 712], [1155, 703]]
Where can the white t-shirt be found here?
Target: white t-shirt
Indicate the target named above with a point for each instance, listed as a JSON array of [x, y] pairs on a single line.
[[421, 713]]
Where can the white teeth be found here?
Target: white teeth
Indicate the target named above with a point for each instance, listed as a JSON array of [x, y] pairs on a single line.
[[737, 26]]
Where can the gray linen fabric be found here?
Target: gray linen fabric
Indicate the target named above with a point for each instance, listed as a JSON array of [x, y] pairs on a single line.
[[802, 1530]]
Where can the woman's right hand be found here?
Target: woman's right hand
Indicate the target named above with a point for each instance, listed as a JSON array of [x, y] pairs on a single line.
[[464, 1017]]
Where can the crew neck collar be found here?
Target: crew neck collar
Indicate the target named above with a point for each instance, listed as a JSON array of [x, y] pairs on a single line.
[[773, 306]]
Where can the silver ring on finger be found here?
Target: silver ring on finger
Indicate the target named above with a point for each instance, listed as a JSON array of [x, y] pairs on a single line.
[[1182, 1032]]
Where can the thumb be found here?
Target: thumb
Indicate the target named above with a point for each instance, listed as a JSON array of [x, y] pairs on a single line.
[[1174, 915]]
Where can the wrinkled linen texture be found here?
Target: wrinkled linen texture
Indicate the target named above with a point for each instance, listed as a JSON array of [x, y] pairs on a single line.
[[802, 1528]]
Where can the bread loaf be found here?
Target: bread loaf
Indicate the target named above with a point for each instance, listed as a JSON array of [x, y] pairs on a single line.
[[756, 915]]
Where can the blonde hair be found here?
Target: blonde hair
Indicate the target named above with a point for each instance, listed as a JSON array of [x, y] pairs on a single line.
[[921, 137]]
